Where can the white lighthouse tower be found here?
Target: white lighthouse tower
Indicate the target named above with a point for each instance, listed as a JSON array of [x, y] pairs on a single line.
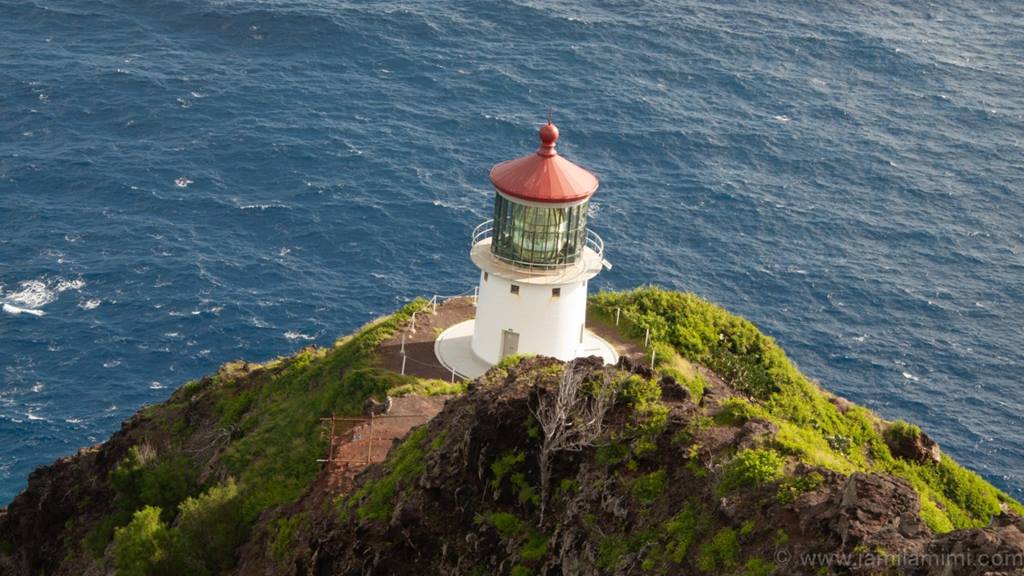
[[535, 257]]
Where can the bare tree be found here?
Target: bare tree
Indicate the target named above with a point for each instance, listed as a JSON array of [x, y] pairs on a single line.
[[570, 418]]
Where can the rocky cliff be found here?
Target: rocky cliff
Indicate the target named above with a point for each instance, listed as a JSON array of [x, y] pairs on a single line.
[[720, 459]]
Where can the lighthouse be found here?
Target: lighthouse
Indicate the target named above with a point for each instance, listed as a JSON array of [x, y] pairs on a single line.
[[536, 257]]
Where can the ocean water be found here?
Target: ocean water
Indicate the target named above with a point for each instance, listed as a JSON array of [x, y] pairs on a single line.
[[188, 182]]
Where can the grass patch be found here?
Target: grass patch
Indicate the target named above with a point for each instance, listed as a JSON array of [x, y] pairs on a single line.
[[375, 499], [428, 387], [751, 469], [811, 428]]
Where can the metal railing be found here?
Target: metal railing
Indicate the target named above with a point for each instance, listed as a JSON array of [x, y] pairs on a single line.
[[486, 231]]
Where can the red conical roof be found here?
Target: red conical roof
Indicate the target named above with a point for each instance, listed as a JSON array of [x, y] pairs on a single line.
[[544, 176]]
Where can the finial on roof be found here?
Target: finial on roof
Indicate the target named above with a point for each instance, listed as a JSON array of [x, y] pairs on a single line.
[[548, 137]]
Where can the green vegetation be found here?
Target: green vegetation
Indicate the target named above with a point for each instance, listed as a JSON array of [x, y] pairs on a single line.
[[209, 528], [650, 415], [668, 362], [375, 499], [143, 479], [791, 488], [203, 540], [757, 567], [901, 430], [284, 535], [752, 468], [810, 427], [423, 387], [512, 360], [142, 544], [270, 416], [503, 466], [532, 544], [661, 546], [647, 489], [721, 553]]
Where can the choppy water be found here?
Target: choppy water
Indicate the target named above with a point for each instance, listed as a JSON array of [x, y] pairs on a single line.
[[187, 182]]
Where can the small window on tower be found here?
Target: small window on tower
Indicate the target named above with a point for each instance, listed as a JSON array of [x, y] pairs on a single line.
[[515, 289], [556, 292], [486, 276]]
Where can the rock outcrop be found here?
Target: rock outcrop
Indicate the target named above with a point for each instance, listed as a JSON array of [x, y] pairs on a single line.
[[749, 471]]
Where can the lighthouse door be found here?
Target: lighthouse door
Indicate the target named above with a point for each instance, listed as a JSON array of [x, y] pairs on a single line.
[[509, 343]]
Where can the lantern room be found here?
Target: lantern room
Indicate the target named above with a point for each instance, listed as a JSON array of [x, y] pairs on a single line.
[[535, 257]]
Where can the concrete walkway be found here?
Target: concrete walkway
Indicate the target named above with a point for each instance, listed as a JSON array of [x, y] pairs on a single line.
[[453, 350]]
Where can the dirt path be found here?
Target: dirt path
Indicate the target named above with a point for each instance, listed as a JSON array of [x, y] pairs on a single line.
[[359, 442], [623, 345]]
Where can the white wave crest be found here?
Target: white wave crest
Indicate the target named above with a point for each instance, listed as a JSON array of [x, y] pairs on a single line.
[[293, 336], [14, 310], [32, 295], [91, 304]]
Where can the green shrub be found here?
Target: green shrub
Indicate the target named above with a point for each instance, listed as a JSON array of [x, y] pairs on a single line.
[[901, 430], [612, 453], [752, 468], [145, 479], [933, 517], [512, 360], [507, 525], [639, 392], [142, 545], [791, 488], [285, 530], [535, 547], [533, 544], [209, 529], [757, 567], [504, 465], [681, 531], [722, 552], [650, 414], [737, 411], [647, 489]]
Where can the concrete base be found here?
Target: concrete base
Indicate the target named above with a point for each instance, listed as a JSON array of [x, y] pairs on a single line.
[[453, 350]]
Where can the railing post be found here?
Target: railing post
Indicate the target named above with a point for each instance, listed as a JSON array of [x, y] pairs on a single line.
[[476, 294], [653, 352], [403, 363], [403, 345], [647, 338], [433, 302], [369, 442], [453, 375], [617, 312], [413, 327]]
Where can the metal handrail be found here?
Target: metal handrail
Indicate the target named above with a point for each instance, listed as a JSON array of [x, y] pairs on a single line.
[[485, 230]]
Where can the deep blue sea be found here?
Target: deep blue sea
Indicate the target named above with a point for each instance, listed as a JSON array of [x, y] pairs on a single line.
[[188, 182]]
